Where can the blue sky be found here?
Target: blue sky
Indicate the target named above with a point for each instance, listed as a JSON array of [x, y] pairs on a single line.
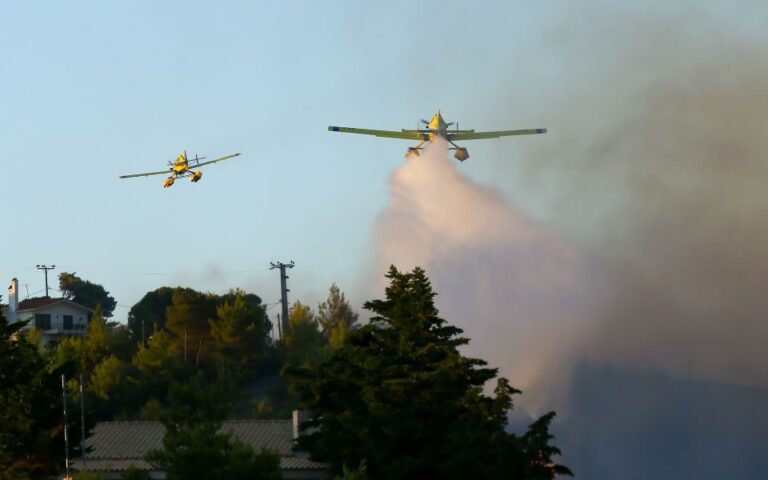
[[92, 90]]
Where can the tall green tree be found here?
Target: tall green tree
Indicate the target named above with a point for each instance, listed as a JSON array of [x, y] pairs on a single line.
[[303, 343], [31, 428], [240, 330], [194, 446], [538, 453], [335, 313], [148, 314], [86, 293], [156, 365], [399, 396], [108, 378], [187, 318]]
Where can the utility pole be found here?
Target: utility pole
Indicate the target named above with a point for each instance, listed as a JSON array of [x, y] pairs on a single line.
[[283, 321], [66, 426], [82, 422], [46, 268]]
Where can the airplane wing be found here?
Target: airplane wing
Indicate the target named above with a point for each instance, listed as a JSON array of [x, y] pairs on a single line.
[[501, 133], [163, 172], [382, 133], [226, 157]]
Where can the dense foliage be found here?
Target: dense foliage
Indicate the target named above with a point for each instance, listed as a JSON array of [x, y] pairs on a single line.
[[86, 293], [393, 398], [399, 396], [195, 448], [336, 317], [31, 427]]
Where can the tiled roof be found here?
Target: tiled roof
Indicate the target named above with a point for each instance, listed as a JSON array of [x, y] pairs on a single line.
[[38, 302], [122, 464], [33, 303], [118, 445]]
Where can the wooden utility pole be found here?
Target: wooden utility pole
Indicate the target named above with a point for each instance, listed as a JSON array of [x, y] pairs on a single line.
[[82, 421], [283, 320], [46, 268], [66, 425]]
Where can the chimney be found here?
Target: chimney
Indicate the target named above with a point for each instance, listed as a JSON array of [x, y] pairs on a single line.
[[299, 417], [13, 300]]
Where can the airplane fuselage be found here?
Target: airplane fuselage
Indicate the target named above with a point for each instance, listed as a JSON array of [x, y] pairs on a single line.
[[180, 168], [437, 127], [180, 165]]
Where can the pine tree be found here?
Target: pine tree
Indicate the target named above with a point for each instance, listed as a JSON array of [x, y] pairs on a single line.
[[86, 293], [303, 344], [239, 331], [336, 313], [399, 396]]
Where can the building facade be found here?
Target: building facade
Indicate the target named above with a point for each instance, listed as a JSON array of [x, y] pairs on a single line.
[[52, 317]]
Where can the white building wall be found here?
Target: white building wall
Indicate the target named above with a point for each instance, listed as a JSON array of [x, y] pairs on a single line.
[[13, 301], [57, 312]]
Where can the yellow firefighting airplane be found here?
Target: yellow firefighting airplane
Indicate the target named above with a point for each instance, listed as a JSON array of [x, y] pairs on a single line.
[[438, 128], [181, 167]]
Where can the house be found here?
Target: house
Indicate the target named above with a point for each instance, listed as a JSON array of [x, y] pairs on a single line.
[[53, 317], [116, 446]]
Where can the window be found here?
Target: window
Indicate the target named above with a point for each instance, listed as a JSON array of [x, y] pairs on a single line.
[[43, 321], [68, 323]]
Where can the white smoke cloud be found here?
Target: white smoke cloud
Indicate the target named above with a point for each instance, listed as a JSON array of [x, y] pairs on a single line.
[[522, 295]]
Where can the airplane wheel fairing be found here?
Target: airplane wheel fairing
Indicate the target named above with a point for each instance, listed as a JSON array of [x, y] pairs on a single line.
[[412, 152], [461, 154], [169, 182], [196, 176]]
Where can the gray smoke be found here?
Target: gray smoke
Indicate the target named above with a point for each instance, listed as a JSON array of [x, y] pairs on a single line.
[[636, 303], [658, 163]]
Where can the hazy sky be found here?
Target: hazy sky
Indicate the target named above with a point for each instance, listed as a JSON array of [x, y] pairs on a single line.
[[92, 90]]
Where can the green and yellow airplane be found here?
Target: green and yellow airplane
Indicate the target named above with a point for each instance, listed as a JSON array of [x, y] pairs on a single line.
[[182, 167], [438, 128]]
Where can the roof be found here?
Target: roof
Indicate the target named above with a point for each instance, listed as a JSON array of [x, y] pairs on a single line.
[[119, 445], [35, 303]]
